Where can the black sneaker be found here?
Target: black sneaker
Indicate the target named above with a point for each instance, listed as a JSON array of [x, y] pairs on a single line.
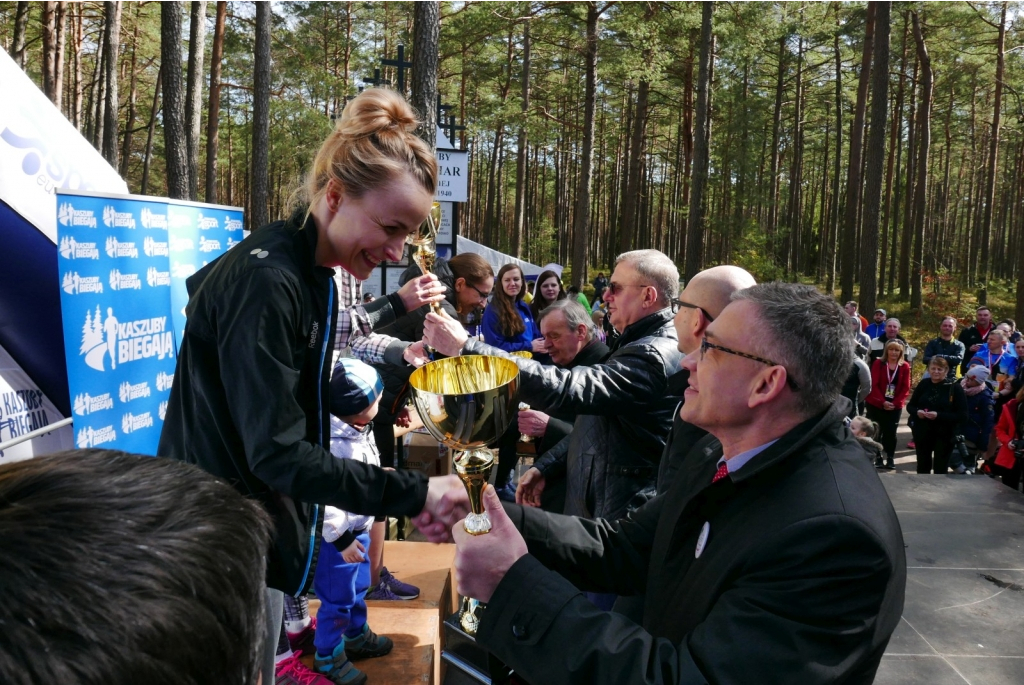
[[367, 645]]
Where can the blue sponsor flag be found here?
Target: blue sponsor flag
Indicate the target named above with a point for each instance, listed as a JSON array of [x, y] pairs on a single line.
[[117, 258]]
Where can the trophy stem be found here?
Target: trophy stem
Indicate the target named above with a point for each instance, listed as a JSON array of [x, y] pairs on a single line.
[[474, 470]]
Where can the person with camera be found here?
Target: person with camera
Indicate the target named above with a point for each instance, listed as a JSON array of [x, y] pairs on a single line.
[[1009, 460], [939, 408]]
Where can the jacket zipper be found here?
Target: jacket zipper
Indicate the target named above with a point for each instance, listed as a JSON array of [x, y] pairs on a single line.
[[320, 437]]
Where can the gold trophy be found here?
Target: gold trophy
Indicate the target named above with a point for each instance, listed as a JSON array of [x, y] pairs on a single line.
[[425, 239], [467, 403]]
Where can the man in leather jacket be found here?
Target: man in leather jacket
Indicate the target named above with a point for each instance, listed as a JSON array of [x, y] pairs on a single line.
[[623, 407]]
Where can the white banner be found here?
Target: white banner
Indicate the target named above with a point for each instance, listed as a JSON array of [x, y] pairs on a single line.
[[23, 409], [452, 176], [40, 152]]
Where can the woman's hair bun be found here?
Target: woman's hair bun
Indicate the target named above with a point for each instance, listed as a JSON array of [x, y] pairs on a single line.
[[376, 111]]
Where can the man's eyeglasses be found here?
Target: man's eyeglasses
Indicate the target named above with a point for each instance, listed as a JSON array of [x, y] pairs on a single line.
[[479, 292], [705, 346], [616, 288], [677, 303]]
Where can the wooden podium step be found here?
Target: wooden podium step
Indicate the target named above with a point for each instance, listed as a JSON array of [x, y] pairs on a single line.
[[414, 625]]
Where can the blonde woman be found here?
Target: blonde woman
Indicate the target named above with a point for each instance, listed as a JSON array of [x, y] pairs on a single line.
[[890, 387]]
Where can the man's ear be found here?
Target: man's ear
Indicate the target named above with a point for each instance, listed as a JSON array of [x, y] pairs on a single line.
[[581, 331], [767, 386]]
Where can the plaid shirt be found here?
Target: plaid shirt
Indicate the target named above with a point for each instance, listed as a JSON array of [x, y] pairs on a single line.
[[354, 330]]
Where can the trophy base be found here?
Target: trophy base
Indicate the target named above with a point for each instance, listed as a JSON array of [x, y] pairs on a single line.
[[467, 663], [477, 524]]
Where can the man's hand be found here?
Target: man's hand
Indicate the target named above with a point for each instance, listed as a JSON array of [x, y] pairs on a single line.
[[420, 291], [481, 561], [533, 423], [531, 485], [353, 554], [975, 348], [540, 346], [444, 334], [447, 501], [416, 354]]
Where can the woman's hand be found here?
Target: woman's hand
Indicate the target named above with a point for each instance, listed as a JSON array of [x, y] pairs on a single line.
[[403, 418], [420, 291], [888, 406], [540, 346], [353, 554]]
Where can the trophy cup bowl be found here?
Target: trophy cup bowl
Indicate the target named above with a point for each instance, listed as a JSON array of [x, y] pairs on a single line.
[[467, 403]]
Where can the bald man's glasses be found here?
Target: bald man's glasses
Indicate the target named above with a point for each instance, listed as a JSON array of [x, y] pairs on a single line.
[[677, 304]]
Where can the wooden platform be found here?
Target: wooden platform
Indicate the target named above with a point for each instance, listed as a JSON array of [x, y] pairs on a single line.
[[414, 625]]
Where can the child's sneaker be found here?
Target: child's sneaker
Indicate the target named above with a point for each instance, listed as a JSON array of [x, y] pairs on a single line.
[[302, 641], [382, 592], [403, 590], [367, 645], [337, 668], [291, 671]]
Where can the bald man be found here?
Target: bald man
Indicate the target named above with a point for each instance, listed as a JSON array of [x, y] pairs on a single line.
[[700, 303]]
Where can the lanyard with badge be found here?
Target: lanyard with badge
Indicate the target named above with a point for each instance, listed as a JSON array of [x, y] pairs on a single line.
[[890, 390]]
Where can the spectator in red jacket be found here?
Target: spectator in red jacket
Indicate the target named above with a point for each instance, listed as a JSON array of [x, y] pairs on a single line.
[[1008, 431], [890, 387]]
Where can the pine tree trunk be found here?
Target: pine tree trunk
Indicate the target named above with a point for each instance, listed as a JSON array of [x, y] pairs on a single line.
[[213, 117], [60, 23], [853, 166], [773, 181], [426, 34], [49, 48], [875, 158], [993, 157], [76, 105], [924, 141], [830, 262], [259, 213], [581, 227], [175, 153], [144, 187], [519, 218], [111, 47], [18, 44], [129, 127], [194, 94], [631, 199], [701, 144]]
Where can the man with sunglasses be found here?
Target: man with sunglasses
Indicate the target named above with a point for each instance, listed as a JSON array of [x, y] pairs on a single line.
[[775, 555]]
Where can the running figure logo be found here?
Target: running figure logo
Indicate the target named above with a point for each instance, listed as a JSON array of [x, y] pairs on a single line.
[[99, 337]]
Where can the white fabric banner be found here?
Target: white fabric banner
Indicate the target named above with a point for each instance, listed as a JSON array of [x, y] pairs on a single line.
[[23, 409], [40, 151]]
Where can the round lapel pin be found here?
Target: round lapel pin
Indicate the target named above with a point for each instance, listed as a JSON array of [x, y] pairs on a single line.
[[702, 539]]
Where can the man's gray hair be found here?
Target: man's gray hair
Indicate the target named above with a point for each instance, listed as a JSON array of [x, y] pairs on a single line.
[[655, 268], [806, 332], [893, 319], [574, 314]]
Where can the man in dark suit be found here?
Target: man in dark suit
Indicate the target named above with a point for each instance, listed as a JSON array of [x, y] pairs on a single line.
[[774, 556]]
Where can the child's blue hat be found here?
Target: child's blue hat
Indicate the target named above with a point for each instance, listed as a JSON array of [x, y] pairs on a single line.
[[355, 385]]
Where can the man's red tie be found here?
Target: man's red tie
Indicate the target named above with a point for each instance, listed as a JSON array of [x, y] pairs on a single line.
[[722, 472]]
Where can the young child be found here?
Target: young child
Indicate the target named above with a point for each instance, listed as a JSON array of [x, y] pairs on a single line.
[[342, 574], [865, 430]]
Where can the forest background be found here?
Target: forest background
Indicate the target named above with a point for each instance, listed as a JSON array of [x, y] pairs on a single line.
[[875, 149]]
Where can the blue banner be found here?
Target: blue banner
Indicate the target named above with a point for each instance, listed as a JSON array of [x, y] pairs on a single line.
[[120, 317]]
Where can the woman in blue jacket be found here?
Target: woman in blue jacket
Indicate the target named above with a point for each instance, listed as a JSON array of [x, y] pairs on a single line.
[[508, 323]]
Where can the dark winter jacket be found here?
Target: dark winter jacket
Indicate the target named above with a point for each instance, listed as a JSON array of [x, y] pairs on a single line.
[[980, 416], [946, 399], [249, 402], [872, 450], [800, 572], [623, 413], [970, 337], [558, 429], [950, 350]]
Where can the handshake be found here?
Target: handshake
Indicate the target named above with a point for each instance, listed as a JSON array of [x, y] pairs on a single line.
[[481, 561]]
